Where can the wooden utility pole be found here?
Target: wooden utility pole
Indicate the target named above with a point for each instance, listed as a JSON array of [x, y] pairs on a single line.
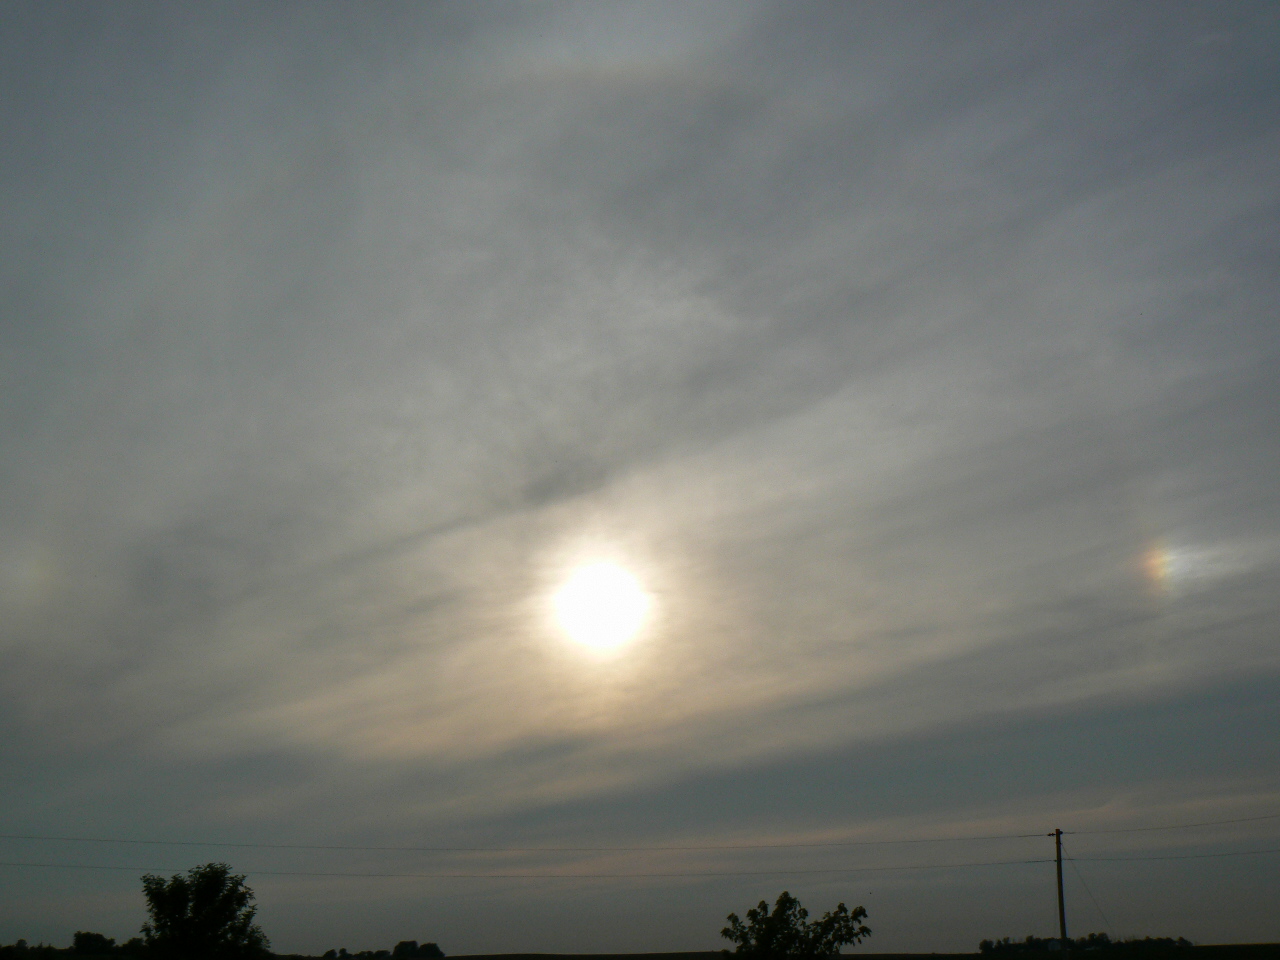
[[1062, 910]]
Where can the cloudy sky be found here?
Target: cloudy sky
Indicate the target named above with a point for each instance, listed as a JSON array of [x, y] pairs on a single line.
[[916, 364]]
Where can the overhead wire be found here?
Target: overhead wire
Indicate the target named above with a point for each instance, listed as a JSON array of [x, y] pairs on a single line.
[[1181, 856], [589, 849], [1080, 876], [641, 874], [437, 849], [553, 876], [654, 874], [1176, 826]]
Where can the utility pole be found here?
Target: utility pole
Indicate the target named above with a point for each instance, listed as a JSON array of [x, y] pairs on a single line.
[[1062, 910]]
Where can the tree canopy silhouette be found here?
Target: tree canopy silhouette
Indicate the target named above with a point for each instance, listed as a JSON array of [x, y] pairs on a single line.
[[1095, 944], [206, 914], [788, 932], [92, 944]]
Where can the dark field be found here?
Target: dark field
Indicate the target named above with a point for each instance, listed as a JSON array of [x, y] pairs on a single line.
[[1231, 951], [1211, 951]]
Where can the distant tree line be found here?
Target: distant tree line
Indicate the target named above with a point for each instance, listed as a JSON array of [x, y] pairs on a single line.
[[206, 914], [95, 946], [404, 950], [84, 944], [1093, 944]]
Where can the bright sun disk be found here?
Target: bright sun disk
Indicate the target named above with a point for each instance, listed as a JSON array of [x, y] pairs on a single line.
[[601, 606]]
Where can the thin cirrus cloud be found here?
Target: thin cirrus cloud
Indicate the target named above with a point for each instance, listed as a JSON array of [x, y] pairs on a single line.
[[917, 364]]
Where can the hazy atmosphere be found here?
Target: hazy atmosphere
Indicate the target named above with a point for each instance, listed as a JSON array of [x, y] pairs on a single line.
[[602, 464]]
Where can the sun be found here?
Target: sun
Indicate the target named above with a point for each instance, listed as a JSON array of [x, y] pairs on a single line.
[[601, 606]]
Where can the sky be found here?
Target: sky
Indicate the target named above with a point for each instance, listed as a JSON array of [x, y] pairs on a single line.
[[911, 367]]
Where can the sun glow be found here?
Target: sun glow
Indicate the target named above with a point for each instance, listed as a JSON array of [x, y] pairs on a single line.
[[601, 606]]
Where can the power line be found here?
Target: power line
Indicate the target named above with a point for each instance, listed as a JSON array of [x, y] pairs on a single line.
[[399, 849], [676, 847], [1180, 856], [669, 875], [1096, 905], [1176, 826], [547, 876]]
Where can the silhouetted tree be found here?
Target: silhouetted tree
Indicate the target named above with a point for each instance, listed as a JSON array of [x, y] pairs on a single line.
[[92, 944], [787, 931], [206, 914], [1094, 944], [21, 950], [409, 950]]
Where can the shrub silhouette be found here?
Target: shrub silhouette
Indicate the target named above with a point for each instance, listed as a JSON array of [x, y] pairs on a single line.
[[404, 950], [787, 931], [409, 950], [205, 915], [1092, 945], [89, 944]]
